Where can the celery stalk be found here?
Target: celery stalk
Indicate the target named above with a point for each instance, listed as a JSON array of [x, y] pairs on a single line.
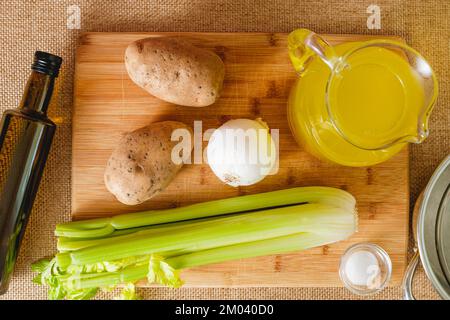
[[87, 233], [290, 243], [100, 280], [285, 244], [85, 224], [72, 244], [254, 226], [157, 244], [293, 196]]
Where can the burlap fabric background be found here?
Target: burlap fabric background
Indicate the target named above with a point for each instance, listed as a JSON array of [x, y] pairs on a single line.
[[31, 24]]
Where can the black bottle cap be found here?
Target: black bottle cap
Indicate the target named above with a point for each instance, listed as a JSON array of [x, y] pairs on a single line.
[[46, 63]]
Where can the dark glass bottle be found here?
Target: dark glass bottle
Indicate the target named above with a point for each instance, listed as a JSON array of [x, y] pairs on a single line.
[[26, 134]]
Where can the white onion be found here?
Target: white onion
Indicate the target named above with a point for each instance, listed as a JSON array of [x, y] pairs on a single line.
[[244, 163]]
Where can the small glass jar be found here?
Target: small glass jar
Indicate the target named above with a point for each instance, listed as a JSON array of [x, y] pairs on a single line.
[[365, 268]]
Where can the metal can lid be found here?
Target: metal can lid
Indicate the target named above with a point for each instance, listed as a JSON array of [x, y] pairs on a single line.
[[434, 229]]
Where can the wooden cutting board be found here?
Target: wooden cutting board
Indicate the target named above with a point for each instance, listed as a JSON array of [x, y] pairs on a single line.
[[258, 79]]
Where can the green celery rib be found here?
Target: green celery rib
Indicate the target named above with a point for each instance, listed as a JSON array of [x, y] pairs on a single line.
[[88, 233], [254, 226], [85, 224], [65, 244], [107, 279], [293, 196], [116, 233], [290, 243]]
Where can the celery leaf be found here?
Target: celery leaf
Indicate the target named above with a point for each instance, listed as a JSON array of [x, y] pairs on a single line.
[[161, 272], [40, 265], [128, 293]]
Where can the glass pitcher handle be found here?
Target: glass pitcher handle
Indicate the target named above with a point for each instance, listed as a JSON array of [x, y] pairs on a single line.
[[304, 44]]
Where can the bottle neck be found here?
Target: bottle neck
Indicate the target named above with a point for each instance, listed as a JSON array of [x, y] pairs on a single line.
[[38, 92]]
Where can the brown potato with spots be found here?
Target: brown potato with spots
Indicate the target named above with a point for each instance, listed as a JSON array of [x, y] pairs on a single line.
[[141, 165], [175, 71]]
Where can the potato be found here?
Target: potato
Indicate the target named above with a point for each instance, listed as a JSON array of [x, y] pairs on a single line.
[[141, 165], [175, 71]]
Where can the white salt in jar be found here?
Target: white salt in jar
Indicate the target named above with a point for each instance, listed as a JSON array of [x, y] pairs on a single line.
[[365, 268]]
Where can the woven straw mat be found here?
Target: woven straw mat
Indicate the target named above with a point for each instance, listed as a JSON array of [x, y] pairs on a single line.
[[30, 25]]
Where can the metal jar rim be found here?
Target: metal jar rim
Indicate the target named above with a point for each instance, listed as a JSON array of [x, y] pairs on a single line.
[[433, 231]]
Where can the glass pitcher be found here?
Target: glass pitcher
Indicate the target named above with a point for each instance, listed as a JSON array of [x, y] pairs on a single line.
[[358, 103]]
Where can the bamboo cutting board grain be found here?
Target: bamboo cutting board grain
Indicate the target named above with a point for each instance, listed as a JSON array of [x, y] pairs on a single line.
[[257, 82]]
